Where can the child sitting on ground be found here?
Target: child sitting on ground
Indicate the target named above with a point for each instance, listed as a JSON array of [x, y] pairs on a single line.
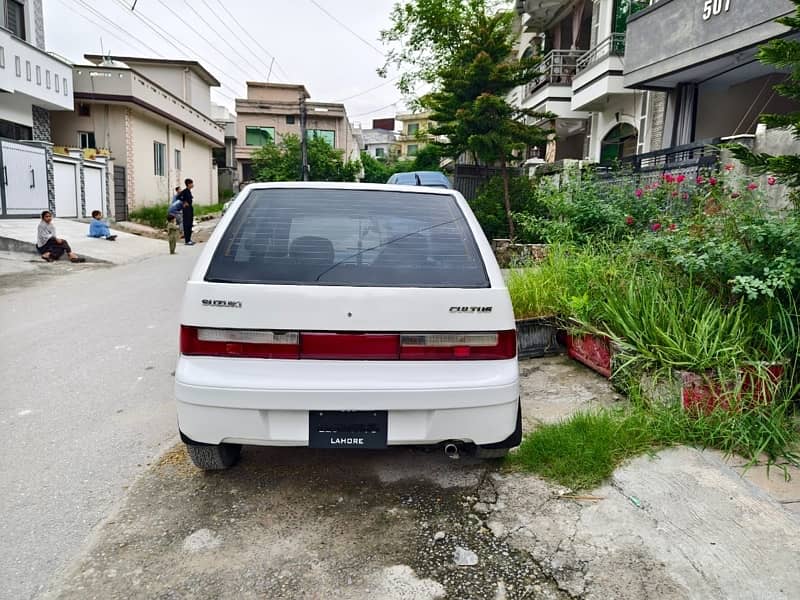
[[99, 229], [172, 233]]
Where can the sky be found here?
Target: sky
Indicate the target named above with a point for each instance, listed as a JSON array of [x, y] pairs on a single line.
[[335, 61]]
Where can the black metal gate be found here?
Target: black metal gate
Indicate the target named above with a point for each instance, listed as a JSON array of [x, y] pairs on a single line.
[[469, 179], [120, 195]]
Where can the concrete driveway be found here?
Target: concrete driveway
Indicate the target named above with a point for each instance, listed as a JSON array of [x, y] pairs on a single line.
[[407, 524]]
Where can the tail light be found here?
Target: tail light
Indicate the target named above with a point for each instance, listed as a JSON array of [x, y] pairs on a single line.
[[251, 343], [242, 343]]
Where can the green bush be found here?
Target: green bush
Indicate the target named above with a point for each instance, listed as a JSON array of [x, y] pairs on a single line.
[[526, 203], [155, 216]]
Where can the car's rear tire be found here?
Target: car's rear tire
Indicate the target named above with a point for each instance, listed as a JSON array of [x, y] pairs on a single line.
[[214, 457]]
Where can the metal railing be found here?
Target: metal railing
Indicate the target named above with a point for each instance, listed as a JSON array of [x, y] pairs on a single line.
[[613, 45], [689, 160], [557, 68]]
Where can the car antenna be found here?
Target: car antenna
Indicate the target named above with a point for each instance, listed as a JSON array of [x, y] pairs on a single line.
[[416, 176]]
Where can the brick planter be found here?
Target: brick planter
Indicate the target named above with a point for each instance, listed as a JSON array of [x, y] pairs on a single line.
[[705, 392], [537, 337], [594, 351]]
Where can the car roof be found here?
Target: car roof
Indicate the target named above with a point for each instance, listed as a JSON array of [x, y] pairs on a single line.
[[335, 185]]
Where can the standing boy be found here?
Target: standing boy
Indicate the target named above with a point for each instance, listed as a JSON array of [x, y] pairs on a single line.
[[188, 211], [176, 208], [172, 233]]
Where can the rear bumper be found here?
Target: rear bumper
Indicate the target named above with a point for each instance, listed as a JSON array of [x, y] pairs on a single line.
[[267, 402]]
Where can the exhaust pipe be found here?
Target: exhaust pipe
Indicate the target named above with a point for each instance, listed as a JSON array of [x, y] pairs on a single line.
[[451, 450]]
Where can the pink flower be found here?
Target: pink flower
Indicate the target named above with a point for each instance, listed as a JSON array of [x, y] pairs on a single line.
[[639, 193], [669, 178], [729, 167], [674, 194], [772, 181], [672, 227], [629, 220], [700, 180], [655, 227], [712, 181], [681, 178], [735, 195], [685, 195], [753, 186]]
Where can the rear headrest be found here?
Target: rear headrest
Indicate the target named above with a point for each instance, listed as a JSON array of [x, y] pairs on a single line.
[[312, 249]]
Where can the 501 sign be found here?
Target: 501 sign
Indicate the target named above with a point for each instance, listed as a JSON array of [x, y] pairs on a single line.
[[712, 8]]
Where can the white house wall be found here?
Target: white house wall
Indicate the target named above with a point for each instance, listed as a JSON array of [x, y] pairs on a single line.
[[16, 108]]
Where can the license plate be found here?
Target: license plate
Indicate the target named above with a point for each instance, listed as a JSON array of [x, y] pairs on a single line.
[[347, 429]]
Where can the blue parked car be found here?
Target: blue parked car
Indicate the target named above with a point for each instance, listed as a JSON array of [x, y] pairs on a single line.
[[423, 178]]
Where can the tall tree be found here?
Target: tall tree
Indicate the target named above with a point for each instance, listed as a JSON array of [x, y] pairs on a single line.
[[781, 53], [473, 68]]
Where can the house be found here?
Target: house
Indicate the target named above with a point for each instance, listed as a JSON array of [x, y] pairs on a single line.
[[381, 140], [225, 158], [648, 82], [33, 85], [272, 110], [154, 118], [414, 134]]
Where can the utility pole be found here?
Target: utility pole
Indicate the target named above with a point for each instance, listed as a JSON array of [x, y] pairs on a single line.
[[303, 144]]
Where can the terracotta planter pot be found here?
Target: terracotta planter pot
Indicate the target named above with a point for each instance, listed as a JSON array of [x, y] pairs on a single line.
[[594, 351], [537, 337], [762, 390]]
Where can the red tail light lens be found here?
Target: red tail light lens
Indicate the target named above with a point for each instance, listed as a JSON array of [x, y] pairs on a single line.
[[251, 343], [242, 343], [347, 346]]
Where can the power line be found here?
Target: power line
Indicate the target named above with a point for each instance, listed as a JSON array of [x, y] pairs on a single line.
[[372, 89], [342, 25], [235, 34], [163, 35], [190, 26], [92, 11], [212, 28], [254, 40], [376, 110]]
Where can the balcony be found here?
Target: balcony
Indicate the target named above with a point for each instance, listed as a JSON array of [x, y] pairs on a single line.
[[551, 91], [599, 74], [541, 14], [122, 85], [36, 76]]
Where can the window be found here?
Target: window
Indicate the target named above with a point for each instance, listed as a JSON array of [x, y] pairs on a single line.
[[15, 18], [290, 119], [326, 134], [58, 84], [64, 85], [86, 139], [18, 66], [412, 150], [259, 136], [380, 152], [14, 131], [346, 237], [178, 165], [84, 110], [28, 70], [619, 143], [38, 75], [625, 8], [2, 58], [159, 158], [47, 78], [413, 128]]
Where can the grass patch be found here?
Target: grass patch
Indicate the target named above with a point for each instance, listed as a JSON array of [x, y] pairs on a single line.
[[156, 216], [581, 452]]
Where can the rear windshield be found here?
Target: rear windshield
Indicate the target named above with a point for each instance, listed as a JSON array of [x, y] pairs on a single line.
[[306, 236]]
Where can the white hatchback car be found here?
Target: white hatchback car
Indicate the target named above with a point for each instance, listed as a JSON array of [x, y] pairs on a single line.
[[347, 316]]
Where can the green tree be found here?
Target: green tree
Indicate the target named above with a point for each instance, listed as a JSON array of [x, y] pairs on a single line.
[[466, 50], [375, 169], [781, 53], [283, 162]]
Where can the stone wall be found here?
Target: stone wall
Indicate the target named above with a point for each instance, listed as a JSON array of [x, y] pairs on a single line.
[[41, 133], [509, 255], [38, 24]]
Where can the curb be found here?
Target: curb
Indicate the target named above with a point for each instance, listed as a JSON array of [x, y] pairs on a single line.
[[13, 245]]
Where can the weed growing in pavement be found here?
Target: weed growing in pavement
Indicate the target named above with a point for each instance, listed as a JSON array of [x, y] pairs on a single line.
[[583, 451]]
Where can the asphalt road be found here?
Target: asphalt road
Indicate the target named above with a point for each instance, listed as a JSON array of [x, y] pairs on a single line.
[[86, 364]]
